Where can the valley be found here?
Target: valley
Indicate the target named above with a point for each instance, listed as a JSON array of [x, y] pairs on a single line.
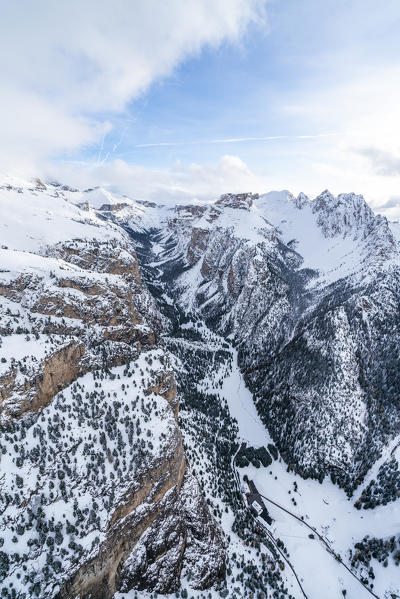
[[156, 359]]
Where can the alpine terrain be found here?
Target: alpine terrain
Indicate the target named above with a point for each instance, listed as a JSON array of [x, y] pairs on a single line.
[[200, 400]]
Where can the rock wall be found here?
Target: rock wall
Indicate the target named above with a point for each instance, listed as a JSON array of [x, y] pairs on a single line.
[[115, 461], [54, 374]]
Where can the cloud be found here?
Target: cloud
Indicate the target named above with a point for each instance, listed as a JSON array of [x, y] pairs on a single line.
[[64, 64], [364, 156], [393, 202], [383, 162], [232, 140], [327, 103], [364, 107], [201, 182]]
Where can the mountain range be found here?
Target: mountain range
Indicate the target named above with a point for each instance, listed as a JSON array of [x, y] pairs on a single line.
[[156, 360]]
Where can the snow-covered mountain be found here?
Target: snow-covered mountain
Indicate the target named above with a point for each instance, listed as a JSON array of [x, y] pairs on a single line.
[[154, 359], [95, 492], [308, 292]]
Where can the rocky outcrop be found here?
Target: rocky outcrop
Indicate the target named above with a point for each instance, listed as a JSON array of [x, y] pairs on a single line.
[[95, 294], [149, 502], [241, 201], [136, 516], [198, 244], [157, 563], [113, 207], [165, 385], [348, 214], [108, 257], [55, 373], [157, 532]]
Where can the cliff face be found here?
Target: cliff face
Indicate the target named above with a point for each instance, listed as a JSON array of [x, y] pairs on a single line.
[[151, 533], [94, 476], [98, 470], [100, 313], [55, 372]]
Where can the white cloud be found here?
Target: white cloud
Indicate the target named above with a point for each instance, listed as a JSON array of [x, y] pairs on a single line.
[[67, 67], [364, 155], [62, 63], [363, 107], [202, 182], [382, 162]]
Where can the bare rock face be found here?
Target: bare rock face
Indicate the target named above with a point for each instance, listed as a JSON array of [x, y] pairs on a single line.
[[159, 527], [110, 257], [241, 201], [97, 477], [89, 293], [113, 207], [198, 244], [165, 386], [56, 372], [167, 551]]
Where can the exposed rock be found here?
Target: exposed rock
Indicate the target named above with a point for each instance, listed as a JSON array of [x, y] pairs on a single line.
[[165, 385], [198, 244], [55, 373], [113, 207], [242, 201]]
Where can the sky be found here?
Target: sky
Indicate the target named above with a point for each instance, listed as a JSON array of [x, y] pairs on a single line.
[[182, 100]]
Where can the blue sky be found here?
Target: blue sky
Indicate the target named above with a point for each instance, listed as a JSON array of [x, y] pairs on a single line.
[[132, 92], [238, 90]]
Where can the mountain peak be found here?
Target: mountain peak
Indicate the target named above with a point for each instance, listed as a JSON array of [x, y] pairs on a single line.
[[242, 201], [301, 200], [348, 214], [324, 200]]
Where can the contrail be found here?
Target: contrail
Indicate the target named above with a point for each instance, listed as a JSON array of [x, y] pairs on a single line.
[[232, 140]]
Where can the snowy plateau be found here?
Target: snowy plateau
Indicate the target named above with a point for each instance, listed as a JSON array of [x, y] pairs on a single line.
[[200, 400]]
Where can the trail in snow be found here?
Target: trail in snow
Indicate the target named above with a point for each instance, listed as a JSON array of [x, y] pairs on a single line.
[[241, 407]]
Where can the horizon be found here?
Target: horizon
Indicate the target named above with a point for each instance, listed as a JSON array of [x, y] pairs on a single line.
[[247, 94], [14, 181]]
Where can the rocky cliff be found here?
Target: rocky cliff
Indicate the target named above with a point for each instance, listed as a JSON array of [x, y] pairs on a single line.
[[96, 493]]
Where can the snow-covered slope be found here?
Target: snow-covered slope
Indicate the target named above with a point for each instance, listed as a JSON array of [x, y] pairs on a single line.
[[279, 316], [306, 290], [95, 492]]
